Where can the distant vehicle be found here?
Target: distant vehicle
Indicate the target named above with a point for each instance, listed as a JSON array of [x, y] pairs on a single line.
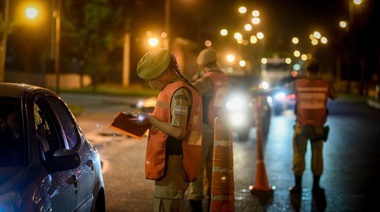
[[241, 105], [49, 165], [274, 72]]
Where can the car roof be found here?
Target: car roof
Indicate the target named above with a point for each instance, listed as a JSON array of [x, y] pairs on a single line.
[[16, 90]]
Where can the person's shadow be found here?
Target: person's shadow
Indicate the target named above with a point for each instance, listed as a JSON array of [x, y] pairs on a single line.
[[319, 201], [318, 204], [295, 201]]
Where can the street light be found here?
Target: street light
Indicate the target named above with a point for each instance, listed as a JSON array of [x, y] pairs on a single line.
[[57, 12], [153, 42], [31, 12]]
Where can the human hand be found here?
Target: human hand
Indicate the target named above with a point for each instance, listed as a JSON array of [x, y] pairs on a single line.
[[141, 118]]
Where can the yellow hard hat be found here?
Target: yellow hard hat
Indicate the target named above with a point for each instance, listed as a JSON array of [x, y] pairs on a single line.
[[153, 64]]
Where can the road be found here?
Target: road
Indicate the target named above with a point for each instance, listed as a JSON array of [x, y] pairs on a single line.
[[352, 161]]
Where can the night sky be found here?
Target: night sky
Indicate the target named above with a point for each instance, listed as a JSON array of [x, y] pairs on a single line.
[[286, 17]]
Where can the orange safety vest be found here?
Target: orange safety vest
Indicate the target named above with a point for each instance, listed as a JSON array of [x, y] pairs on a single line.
[[191, 144], [311, 100], [217, 102]]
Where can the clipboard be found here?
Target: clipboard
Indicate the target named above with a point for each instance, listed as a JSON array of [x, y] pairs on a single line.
[[124, 125]]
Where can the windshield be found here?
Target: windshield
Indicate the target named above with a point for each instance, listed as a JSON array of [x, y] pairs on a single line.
[[276, 67]]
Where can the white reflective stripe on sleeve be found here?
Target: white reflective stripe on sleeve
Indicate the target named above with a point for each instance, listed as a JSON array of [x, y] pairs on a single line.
[[180, 110]]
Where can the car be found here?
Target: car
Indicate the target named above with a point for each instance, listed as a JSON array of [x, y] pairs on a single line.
[[53, 166], [282, 100], [280, 97], [242, 106]]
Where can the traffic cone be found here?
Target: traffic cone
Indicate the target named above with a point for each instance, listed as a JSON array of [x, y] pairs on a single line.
[[222, 183], [261, 183]]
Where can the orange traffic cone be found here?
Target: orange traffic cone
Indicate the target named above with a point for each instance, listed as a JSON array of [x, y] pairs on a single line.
[[222, 183], [261, 183]]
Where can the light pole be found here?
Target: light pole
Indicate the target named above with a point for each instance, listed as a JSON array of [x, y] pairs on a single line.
[[167, 25], [57, 32]]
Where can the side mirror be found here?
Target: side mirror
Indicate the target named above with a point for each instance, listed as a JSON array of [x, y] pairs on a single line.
[[64, 159]]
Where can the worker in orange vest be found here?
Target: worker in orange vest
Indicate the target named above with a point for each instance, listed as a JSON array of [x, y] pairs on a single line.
[[312, 94], [173, 152], [213, 86]]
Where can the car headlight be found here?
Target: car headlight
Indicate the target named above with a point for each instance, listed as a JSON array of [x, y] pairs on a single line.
[[264, 85], [10, 201], [238, 106], [269, 99], [237, 102], [237, 119]]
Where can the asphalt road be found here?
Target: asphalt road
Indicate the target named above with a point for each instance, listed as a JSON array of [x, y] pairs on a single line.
[[352, 161]]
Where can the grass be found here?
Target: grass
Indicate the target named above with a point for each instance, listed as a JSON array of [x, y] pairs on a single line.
[[108, 89], [113, 89]]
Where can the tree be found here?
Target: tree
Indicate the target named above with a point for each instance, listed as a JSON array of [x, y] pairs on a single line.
[[93, 31], [5, 30]]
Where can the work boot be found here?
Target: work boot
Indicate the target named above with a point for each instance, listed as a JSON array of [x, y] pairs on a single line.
[[316, 189], [296, 193], [196, 205], [297, 189]]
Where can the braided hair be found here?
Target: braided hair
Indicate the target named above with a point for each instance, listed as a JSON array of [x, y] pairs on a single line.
[[173, 65]]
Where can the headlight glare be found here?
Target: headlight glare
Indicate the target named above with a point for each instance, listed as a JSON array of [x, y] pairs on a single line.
[[280, 95], [237, 119], [10, 201]]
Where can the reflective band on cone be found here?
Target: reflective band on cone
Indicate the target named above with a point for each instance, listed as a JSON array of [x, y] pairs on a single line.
[[222, 186]]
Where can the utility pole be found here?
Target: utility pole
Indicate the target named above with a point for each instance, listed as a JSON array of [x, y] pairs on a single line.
[[167, 25], [57, 9]]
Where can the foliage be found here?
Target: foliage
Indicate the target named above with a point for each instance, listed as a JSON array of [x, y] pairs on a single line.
[[92, 31]]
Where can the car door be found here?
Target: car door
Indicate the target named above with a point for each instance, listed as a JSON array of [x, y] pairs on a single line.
[[85, 173], [63, 190]]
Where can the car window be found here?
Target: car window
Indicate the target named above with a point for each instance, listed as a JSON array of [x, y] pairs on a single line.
[[43, 132], [67, 122], [47, 133], [12, 145]]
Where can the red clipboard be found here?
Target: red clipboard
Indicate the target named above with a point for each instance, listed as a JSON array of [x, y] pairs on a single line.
[[124, 125]]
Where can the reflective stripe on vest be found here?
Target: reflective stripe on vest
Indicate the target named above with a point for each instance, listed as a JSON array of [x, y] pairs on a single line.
[[311, 101]]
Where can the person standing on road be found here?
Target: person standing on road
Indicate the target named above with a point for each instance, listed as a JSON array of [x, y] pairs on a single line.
[[312, 94], [173, 152], [213, 86]]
